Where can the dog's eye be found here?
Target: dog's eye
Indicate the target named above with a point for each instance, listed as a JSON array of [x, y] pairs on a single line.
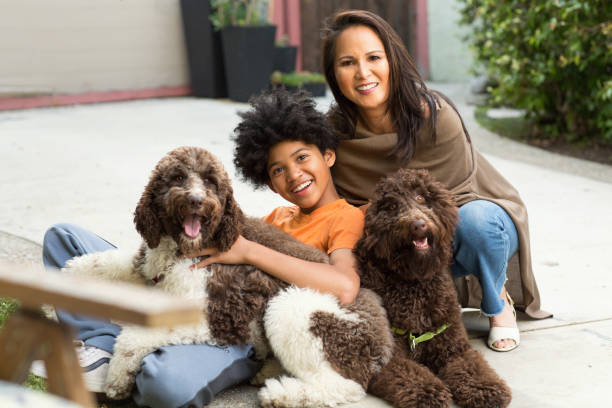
[[388, 206], [178, 178], [210, 182], [419, 199]]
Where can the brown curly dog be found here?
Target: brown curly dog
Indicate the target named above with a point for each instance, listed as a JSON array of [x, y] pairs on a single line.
[[330, 350], [404, 256]]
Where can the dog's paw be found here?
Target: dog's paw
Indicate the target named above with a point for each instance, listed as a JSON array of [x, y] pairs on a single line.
[[271, 368], [487, 394], [276, 394], [119, 388], [433, 395], [290, 392], [119, 379], [259, 379]]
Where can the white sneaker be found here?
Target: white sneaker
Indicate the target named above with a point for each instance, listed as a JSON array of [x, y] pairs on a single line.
[[94, 362]]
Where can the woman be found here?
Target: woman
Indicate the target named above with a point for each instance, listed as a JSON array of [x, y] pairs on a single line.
[[389, 119]]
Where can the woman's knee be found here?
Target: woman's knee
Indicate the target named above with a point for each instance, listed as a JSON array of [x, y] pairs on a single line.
[[481, 224]]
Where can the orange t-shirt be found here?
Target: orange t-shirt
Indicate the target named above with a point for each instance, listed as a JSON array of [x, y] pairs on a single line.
[[334, 226]]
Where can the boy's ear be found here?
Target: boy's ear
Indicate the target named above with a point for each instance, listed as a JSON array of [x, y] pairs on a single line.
[[271, 187], [330, 157]]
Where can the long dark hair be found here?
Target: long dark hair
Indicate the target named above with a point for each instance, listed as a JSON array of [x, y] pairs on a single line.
[[407, 91]]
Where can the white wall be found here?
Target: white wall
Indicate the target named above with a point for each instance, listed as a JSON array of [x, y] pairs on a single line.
[[75, 46], [449, 56]]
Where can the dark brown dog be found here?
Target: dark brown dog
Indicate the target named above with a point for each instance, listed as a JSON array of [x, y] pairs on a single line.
[[404, 256]]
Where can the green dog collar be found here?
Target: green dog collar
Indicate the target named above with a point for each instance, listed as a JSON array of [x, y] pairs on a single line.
[[423, 337]]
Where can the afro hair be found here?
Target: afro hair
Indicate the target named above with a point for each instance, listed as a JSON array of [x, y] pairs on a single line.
[[277, 116]]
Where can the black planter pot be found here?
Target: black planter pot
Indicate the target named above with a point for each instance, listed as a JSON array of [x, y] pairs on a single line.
[[248, 54], [284, 59], [315, 89], [203, 50]]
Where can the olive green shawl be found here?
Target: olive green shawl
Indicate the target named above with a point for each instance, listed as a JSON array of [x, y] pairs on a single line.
[[452, 160]]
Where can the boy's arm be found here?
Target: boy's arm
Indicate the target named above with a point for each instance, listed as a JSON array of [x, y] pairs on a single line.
[[338, 278]]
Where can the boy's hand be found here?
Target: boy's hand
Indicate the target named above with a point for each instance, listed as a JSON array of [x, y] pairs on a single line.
[[236, 255]]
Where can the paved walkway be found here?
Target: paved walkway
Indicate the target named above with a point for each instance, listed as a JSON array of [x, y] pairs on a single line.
[[88, 164]]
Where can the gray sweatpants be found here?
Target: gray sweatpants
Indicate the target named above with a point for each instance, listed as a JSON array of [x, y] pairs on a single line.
[[173, 376]]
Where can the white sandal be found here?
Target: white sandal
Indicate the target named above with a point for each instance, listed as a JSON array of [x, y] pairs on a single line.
[[503, 333]]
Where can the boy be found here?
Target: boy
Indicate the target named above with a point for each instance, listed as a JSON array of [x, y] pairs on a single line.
[[285, 143]]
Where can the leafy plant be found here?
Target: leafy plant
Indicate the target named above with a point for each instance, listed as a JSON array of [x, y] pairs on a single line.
[[296, 79], [283, 41], [7, 307], [551, 58], [238, 13]]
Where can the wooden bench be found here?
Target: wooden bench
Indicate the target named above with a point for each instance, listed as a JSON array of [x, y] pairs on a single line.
[[28, 336]]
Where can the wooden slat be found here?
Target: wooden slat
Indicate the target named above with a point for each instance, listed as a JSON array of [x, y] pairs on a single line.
[[27, 336], [110, 300]]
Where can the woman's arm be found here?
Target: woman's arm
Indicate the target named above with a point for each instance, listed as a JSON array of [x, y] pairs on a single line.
[[338, 278]]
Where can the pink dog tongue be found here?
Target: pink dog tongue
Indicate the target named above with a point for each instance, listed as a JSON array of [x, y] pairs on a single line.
[[192, 226]]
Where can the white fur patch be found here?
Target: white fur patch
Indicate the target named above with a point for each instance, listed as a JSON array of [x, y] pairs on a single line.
[[113, 264], [178, 278], [287, 324]]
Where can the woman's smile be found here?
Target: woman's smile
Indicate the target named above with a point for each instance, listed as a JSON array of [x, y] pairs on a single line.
[[367, 88]]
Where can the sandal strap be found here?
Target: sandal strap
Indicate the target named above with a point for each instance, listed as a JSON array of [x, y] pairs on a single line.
[[510, 302]]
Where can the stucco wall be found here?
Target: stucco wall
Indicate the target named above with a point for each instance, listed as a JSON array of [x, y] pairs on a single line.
[[449, 56], [76, 46]]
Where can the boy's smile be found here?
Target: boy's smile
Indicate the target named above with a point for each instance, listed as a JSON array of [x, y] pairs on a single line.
[[301, 175]]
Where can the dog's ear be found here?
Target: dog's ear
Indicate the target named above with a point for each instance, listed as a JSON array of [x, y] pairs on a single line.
[[445, 207], [368, 241], [369, 269], [372, 241], [147, 222], [380, 247], [229, 227]]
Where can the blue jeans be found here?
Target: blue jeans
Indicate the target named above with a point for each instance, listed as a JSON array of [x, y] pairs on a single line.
[[485, 240], [173, 376]]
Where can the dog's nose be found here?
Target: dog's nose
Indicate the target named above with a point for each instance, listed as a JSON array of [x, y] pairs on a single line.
[[195, 201], [418, 226]]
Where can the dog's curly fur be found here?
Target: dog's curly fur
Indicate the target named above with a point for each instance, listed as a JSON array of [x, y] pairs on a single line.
[[404, 255], [331, 350]]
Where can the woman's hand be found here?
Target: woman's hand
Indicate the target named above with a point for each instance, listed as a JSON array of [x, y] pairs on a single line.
[[236, 255]]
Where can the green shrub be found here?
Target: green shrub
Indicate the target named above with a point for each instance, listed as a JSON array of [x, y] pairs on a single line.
[[552, 58], [296, 79]]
